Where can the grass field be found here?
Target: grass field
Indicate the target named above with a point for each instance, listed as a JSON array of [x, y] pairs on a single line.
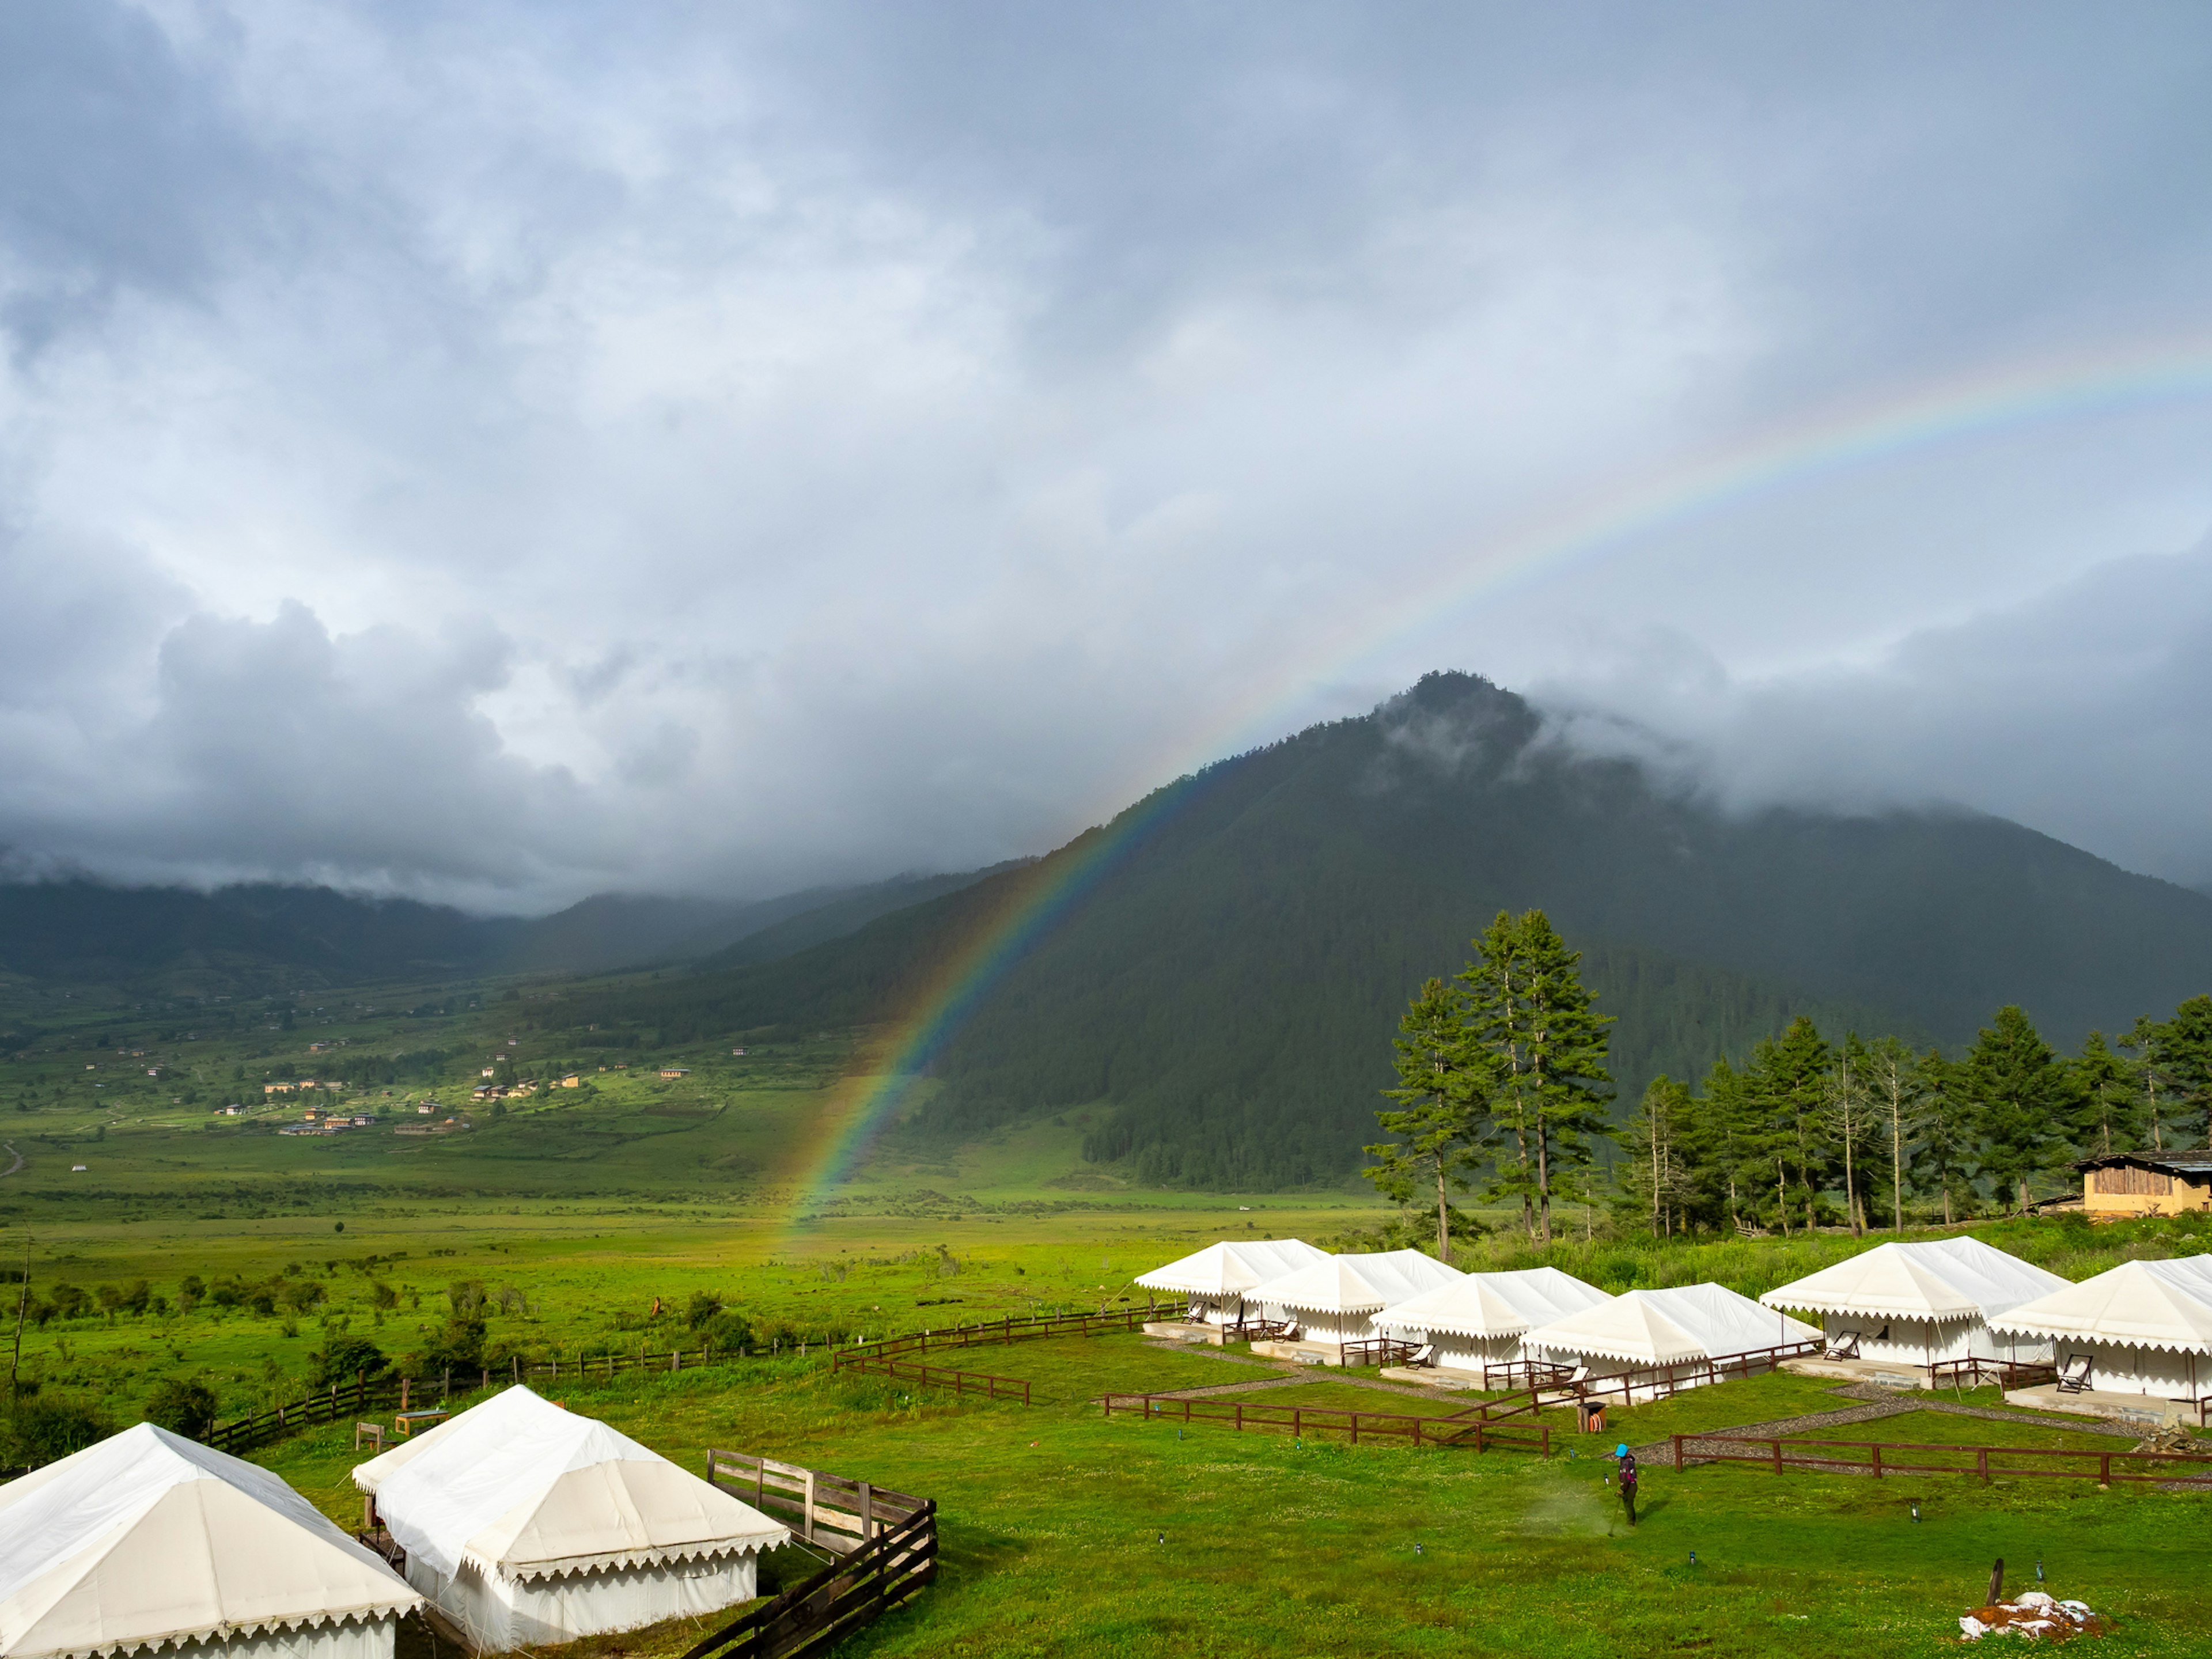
[[574, 1221], [1065, 1533]]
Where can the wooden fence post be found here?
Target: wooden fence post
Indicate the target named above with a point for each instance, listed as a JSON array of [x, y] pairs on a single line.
[[1678, 1454], [1777, 1457]]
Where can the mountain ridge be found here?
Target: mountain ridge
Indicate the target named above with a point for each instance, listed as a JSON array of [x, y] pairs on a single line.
[[1228, 988]]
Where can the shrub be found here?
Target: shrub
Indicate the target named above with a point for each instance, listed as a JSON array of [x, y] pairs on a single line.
[[728, 1331], [182, 1405], [302, 1294], [70, 1301], [704, 1306], [381, 1295], [342, 1358], [40, 1430]]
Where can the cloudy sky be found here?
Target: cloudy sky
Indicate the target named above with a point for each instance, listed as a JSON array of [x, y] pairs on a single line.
[[499, 454]]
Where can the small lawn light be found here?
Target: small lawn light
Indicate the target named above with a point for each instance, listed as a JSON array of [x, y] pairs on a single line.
[[1916, 1514], [2039, 1569], [1417, 1549], [1693, 1558]]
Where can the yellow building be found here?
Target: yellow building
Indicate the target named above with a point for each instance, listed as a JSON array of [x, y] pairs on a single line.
[[2147, 1183]]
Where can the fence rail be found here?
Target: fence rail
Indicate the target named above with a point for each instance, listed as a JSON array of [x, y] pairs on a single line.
[[1662, 1381], [982, 1382], [264, 1428], [2007, 1373], [1888, 1457], [886, 1544], [829, 1510], [998, 1332], [1475, 1427]]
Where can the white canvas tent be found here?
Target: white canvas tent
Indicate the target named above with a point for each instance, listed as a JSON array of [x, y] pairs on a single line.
[[1922, 1303], [526, 1523], [1335, 1301], [2145, 1326], [1216, 1279], [147, 1540], [1482, 1319], [1672, 1333]]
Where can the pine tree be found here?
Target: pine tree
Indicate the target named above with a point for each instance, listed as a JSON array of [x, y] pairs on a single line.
[[1847, 1117], [2189, 1058], [2103, 1106], [1899, 1084], [1788, 1089], [1947, 1142], [1442, 1081], [1497, 982], [2018, 1088], [1531, 1014], [1660, 1173], [2149, 1043]]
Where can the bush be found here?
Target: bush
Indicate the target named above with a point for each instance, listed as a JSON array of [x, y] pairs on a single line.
[[727, 1331], [43, 1430], [70, 1301], [381, 1295], [342, 1358], [182, 1405], [704, 1305]]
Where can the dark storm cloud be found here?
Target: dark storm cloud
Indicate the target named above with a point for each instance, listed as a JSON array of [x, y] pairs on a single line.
[[2080, 712], [500, 452]]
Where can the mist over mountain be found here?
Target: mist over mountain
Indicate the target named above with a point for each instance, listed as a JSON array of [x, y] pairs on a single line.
[[1222, 1003]]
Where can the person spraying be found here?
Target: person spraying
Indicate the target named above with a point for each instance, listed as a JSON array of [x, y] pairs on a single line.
[[1626, 1475]]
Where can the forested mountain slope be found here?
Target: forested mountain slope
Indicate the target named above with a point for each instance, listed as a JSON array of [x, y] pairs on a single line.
[[262, 936], [1228, 989]]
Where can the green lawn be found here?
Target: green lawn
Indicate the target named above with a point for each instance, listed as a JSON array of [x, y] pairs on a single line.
[[1067, 1533]]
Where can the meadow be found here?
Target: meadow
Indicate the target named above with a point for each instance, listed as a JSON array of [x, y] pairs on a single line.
[[574, 1222]]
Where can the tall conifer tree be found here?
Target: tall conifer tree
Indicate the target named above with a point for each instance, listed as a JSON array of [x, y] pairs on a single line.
[[1530, 1012], [1441, 1091], [2018, 1088]]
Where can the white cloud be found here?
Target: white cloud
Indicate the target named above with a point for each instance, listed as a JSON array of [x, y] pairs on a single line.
[[737, 449]]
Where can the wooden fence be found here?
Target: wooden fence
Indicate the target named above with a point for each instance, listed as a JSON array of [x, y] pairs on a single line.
[[836, 1514], [261, 1429], [1969, 1372], [982, 1382], [1476, 1426], [997, 1332], [885, 1542], [1888, 1457]]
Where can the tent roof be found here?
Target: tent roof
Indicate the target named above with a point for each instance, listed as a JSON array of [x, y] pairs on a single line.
[[1943, 1279], [2137, 1304], [525, 1489], [1358, 1284], [148, 1537], [1659, 1327], [1495, 1305], [1233, 1265]]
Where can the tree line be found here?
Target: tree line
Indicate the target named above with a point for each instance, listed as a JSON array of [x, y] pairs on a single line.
[[1873, 1125], [1502, 1091]]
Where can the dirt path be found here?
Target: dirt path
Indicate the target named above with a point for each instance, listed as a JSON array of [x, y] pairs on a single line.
[[9, 1146], [2086, 1424]]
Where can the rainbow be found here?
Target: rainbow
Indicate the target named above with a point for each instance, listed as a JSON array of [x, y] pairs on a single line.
[[1026, 906]]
